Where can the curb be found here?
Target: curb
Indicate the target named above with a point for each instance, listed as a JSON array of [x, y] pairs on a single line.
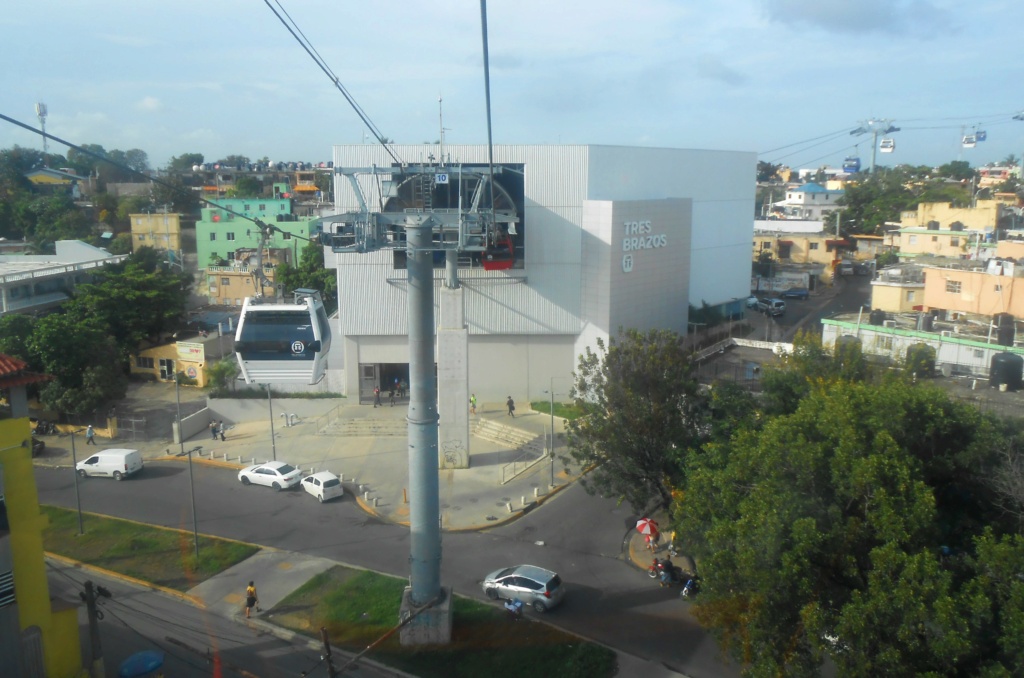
[[196, 602]]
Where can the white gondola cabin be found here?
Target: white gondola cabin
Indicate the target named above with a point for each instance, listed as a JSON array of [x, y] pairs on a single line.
[[969, 141], [887, 145], [278, 343]]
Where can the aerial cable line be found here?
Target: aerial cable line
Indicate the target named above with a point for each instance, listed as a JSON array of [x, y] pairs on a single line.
[[806, 148], [805, 141], [308, 47]]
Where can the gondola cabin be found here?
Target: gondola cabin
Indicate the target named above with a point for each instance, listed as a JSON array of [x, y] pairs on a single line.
[[887, 145], [851, 165], [278, 343], [969, 141], [501, 255]]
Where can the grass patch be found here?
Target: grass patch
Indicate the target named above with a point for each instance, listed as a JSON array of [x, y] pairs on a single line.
[[153, 554], [563, 410], [357, 607]]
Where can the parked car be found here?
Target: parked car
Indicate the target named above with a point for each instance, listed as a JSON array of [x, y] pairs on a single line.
[[115, 463], [275, 474], [539, 588], [796, 293], [751, 301], [773, 307], [323, 485]]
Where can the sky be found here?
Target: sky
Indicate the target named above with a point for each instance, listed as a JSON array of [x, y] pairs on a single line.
[[787, 79]]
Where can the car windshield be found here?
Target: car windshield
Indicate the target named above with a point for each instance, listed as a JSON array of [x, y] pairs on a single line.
[[507, 571], [332, 482], [286, 469]]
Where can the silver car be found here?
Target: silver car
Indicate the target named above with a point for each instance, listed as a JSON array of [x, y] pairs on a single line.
[[539, 588]]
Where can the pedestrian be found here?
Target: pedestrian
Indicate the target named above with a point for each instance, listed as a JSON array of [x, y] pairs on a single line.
[[376, 396], [213, 429], [251, 599], [511, 404], [391, 396], [90, 436], [472, 404], [220, 430]]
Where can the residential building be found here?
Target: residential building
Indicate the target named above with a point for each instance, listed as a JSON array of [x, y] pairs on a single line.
[[189, 358], [977, 288], [810, 202], [606, 238], [982, 218], [161, 231], [220, 234], [51, 180], [898, 289], [33, 283], [797, 242], [230, 285], [954, 243]]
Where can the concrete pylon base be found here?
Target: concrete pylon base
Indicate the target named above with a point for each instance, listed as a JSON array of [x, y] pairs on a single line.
[[432, 626]]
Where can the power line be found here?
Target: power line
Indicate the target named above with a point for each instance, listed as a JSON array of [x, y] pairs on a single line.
[[805, 141], [319, 61]]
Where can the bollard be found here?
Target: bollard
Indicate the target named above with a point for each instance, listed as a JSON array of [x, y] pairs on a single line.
[[253, 461], [375, 502], [536, 492], [366, 496], [508, 505], [405, 496], [341, 477], [522, 500]]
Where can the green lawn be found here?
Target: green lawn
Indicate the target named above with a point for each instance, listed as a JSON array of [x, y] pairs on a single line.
[[161, 556], [563, 410], [357, 607]]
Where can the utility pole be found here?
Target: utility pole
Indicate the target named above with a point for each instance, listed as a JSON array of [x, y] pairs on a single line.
[[331, 672], [97, 670], [273, 442]]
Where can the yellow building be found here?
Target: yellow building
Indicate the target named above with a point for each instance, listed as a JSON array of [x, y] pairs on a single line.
[[38, 635], [898, 289], [983, 217], [161, 231], [187, 357], [799, 248], [936, 242]]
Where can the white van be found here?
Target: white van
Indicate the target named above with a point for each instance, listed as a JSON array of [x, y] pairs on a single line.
[[117, 464]]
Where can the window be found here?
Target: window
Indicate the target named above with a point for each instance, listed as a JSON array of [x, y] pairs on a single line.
[[245, 208], [263, 208], [935, 238], [955, 242], [814, 246], [287, 236], [144, 363], [142, 236], [910, 295], [213, 236], [884, 342], [998, 288], [225, 281], [953, 286], [912, 240], [978, 353], [766, 245], [229, 236]]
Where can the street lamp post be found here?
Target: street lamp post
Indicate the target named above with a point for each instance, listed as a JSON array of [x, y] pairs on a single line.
[[552, 412], [191, 480], [273, 442], [74, 469]]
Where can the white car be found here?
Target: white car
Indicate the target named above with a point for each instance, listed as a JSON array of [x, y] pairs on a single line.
[[275, 474], [323, 485]]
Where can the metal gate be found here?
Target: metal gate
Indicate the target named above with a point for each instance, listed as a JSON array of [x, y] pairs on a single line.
[[368, 380]]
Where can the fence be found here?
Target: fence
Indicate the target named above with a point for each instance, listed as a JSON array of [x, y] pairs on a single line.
[[519, 465]]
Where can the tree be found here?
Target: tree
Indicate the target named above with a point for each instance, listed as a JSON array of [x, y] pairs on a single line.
[[222, 374], [311, 274], [85, 161], [644, 415], [173, 191], [121, 244], [15, 333], [957, 169], [234, 161], [766, 171], [822, 532], [881, 198], [247, 187], [56, 218], [84, 361], [184, 162]]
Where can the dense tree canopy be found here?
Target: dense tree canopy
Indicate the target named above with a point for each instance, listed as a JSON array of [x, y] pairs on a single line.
[[310, 273], [643, 416]]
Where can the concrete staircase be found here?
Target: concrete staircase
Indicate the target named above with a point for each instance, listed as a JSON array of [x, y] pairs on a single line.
[[367, 427], [514, 438]]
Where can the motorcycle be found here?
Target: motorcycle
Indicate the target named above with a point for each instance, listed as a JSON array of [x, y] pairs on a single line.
[[666, 571], [689, 589]]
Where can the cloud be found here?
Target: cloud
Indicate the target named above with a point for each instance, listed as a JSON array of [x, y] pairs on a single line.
[[861, 16], [148, 105], [711, 67]]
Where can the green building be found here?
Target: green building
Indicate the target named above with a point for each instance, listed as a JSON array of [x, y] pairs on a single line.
[[223, 238]]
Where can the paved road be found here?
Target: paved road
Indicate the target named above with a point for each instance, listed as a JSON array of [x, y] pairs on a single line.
[[582, 538]]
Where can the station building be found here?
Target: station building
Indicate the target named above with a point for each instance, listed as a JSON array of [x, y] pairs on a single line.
[[607, 237]]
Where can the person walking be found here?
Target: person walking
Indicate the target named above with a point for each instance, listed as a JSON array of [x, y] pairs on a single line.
[[213, 429], [511, 404], [90, 435], [251, 599], [376, 396], [220, 430], [472, 404]]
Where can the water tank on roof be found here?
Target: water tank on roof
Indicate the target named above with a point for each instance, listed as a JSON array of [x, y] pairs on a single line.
[[921, 359], [877, 317], [956, 226], [927, 322], [1006, 368], [933, 225], [1005, 328]]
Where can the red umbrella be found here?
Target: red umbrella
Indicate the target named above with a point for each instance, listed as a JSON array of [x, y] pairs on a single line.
[[646, 526]]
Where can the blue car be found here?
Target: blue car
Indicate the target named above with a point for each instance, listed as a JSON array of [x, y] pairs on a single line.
[[796, 293]]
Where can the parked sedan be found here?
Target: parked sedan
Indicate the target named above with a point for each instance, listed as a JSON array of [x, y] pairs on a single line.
[[275, 474], [796, 293], [323, 485], [539, 588]]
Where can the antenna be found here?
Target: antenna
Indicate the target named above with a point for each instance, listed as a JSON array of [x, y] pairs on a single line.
[[41, 114]]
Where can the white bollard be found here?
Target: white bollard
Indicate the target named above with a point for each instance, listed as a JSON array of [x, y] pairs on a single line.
[[508, 505], [375, 502], [536, 492], [522, 500], [253, 461], [366, 496], [341, 477]]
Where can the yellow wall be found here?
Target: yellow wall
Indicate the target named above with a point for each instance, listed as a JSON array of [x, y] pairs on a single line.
[[159, 231], [170, 351], [978, 293], [935, 243], [896, 298], [800, 251], [982, 217], [61, 649], [1010, 249], [239, 285]]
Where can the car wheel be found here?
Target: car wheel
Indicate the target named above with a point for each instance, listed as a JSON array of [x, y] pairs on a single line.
[[82, 473], [276, 486], [320, 498], [539, 607], [492, 594], [118, 476], [246, 481]]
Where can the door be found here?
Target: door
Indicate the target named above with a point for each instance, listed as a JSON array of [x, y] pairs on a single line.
[[367, 381], [166, 369]]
